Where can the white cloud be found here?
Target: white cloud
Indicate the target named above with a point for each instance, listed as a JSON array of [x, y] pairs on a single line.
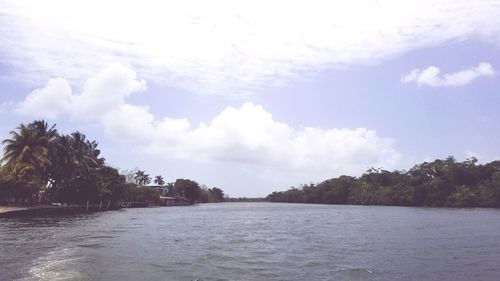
[[431, 76], [128, 122], [227, 46], [108, 89], [470, 154], [103, 98], [251, 135], [247, 135], [480, 157], [49, 102]]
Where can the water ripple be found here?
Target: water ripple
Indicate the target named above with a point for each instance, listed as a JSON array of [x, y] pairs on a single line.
[[257, 241]]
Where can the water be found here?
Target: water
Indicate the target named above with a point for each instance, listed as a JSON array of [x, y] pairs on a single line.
[[255, 241]]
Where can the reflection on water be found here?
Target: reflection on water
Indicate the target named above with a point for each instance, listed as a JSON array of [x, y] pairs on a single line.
[[60, 264], [255, 241]]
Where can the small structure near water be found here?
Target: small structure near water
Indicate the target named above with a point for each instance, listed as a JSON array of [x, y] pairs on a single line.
[[167, 200], [134, 204], [173, 201]]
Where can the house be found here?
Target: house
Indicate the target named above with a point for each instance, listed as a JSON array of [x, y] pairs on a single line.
[[163, 190], [173, 201], [167, 201]]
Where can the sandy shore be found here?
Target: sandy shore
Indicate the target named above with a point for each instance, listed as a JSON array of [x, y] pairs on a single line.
[[6, 209], [48, 210]]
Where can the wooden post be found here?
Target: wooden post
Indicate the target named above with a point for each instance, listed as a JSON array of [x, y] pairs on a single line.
[[100, 205], [109, 202], [87, 205]]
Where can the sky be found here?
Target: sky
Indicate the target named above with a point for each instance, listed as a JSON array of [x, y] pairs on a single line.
[[257, 96]]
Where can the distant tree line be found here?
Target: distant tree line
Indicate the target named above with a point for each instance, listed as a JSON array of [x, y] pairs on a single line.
[[41, 165], [441, 183], [245, 199], [211, 195]]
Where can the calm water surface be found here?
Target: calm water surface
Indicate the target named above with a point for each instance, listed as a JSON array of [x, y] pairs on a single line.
[[255, 241]]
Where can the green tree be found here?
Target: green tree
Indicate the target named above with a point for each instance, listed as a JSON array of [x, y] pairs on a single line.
[[189, 188], [40, 164], [26, 146], [26, 153], [76, 161], [141, 178], [159, 180], [489, 191], [438, 183], [219, 194]]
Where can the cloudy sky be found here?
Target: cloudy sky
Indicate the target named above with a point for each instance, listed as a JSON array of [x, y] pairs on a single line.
[[256, 96]]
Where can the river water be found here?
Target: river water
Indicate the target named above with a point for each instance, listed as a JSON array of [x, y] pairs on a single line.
[[255, 241]]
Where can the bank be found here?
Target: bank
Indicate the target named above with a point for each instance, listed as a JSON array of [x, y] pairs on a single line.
[[49, 210]]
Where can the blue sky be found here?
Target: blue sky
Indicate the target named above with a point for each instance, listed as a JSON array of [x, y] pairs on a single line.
[[252, 97]]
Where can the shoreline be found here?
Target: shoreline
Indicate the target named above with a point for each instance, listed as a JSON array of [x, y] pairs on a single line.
[[48, 210], [8, 209]]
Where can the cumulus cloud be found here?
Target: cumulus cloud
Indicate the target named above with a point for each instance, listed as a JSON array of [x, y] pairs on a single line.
[[227, 46], [248, 134], [105, 91], [128, 122], [49, 102], [108, 89], [102, 99], [431, 76]]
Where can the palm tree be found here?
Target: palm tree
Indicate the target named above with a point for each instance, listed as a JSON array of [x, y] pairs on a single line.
[[94, 152], [62, 165], [141, 178], [43, 130], [171, 188], [50, 135], [28, 147], [73, 157], [84, 153], [146, 179], [139, 174], [27, 154], [159, 180]]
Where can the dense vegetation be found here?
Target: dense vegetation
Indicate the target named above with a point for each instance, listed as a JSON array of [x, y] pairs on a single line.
[[184, 189], [211, 195], [246, 199], [442, 183], [41, 165]]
